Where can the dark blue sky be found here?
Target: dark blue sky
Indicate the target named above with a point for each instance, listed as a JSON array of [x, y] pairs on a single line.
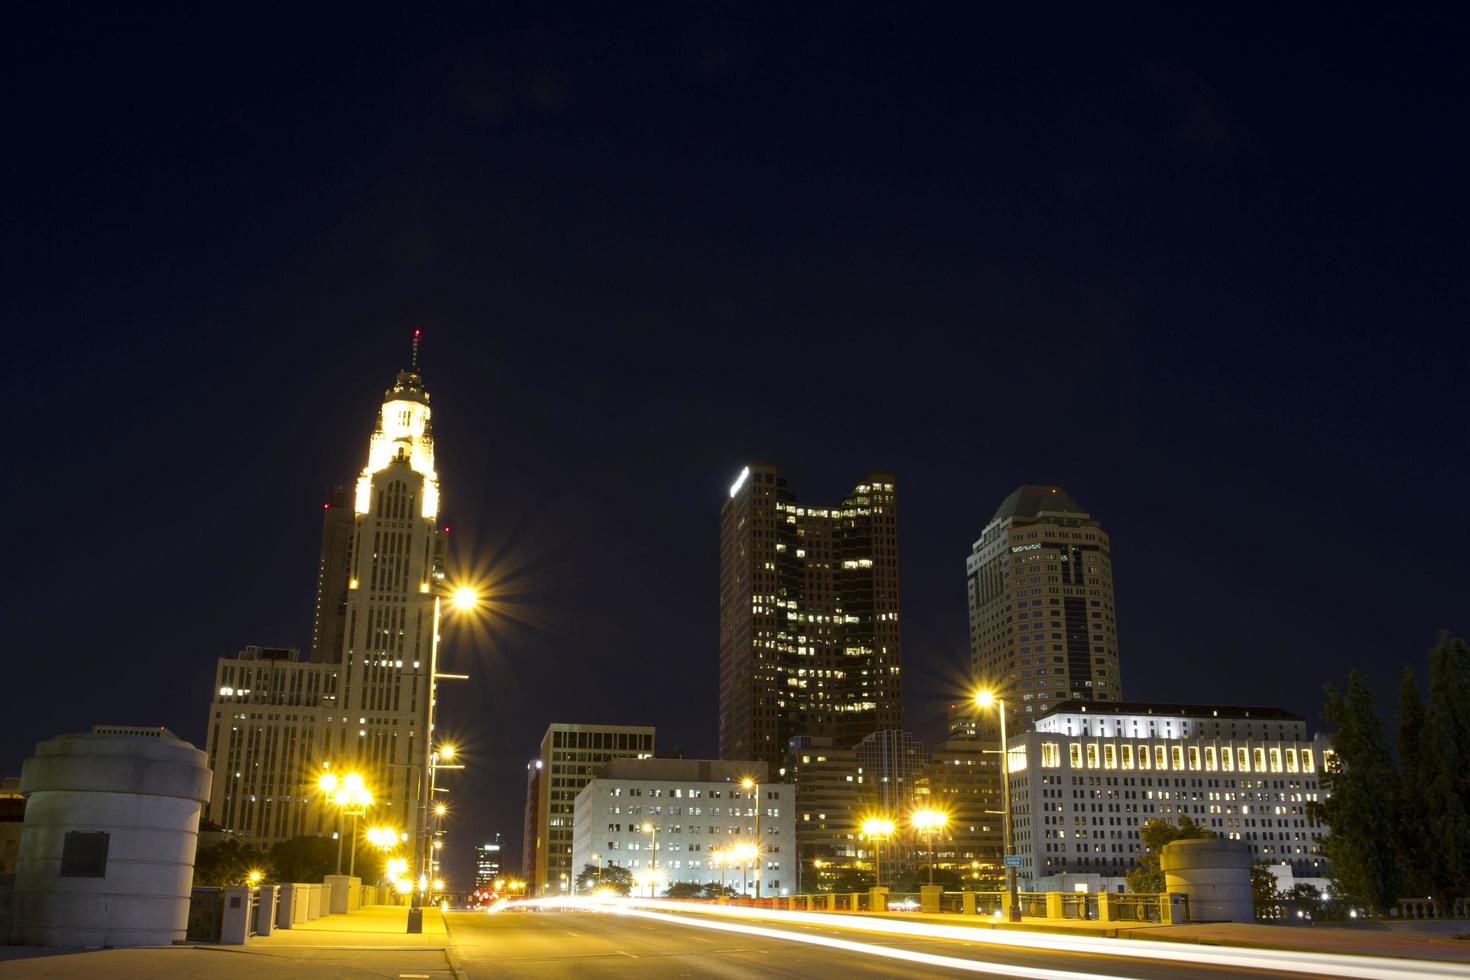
[[1206, 271]]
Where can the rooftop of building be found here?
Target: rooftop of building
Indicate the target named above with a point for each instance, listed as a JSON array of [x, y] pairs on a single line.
[[688, 770], [1031, 499], [1170, 708]]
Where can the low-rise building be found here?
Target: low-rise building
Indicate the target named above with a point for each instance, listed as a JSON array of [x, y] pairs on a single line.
[[1090, 775], [571, 755], [831, 802], [697, 810]]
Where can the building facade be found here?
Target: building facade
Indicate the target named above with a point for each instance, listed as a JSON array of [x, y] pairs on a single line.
[[571, 756], [487, 862], [267, 739], [362, 702], [809, 606], [1043, 625], [1090, 775], [892, 762], [698, 809], [962, 778], [832, 799]]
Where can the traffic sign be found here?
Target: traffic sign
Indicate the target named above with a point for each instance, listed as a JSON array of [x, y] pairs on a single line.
[[1014, 861]]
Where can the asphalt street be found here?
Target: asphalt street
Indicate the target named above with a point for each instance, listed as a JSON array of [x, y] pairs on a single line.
[[607, 944]]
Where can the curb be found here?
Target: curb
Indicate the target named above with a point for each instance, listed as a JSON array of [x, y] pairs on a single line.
[[455, 965]]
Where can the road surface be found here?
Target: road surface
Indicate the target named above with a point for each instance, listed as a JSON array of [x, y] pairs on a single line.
[[605, 944]]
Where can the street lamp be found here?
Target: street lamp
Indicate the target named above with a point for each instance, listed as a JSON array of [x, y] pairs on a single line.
[[464, 598], [985, 699], [749, 784], [652, 833], [721, 858], [927, 822], [744, 853], [352, 798], [878, 830]]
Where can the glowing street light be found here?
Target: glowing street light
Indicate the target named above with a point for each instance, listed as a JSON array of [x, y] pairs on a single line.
[[352, 798], [463, 599], [652, 833], [986, 699], [751, 786], [878, 830], [254, 878], [744, 854], [927, 822]]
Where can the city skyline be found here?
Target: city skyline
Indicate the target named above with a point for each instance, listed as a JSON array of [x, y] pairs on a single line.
[[1208, 281]]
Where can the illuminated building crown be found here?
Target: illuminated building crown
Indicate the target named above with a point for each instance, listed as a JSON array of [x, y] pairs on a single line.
[[403, 435]]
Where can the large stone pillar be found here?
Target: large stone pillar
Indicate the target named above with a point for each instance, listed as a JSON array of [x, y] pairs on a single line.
[[107, 848], [1215, 874]]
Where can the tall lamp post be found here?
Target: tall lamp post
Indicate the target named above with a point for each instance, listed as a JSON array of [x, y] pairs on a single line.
[[352, 798], [751, 786], [878, 830], [927, 822], [722, 859], [652, 832], [985, 699], [464, 599]]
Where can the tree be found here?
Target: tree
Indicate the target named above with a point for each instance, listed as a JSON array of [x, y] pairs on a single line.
[[1263, 882], [1359, 785], [227, 863], [714, 890], [1148, 877], [1445, 772], [850, 880], [311, 859], [610, 876], [685, 889], [1409, 803]]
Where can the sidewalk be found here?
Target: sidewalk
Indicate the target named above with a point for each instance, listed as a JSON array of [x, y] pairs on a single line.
[[377, 926], [364, 945]]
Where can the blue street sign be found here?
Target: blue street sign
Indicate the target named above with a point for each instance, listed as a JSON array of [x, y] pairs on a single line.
[[1013, 861]]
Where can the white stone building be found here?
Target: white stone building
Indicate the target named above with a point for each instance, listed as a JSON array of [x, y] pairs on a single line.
[[363, 702], [697, 808], [1090, 775]]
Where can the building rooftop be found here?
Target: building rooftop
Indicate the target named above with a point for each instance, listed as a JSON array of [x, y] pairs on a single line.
[[693, 770], [1169, 708], [1031, 499]]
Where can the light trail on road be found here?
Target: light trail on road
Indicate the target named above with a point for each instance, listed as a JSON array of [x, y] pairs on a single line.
[[1236, 957], [891, 952]]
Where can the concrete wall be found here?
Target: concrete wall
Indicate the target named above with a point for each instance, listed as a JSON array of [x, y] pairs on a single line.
[[145, 793], [1215, 874]]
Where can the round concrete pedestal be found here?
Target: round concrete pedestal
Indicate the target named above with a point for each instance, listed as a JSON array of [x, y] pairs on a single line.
[[1216, 876], [107, 847]]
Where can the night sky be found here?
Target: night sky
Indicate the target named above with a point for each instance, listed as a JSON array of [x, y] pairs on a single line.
[[1205, 271]]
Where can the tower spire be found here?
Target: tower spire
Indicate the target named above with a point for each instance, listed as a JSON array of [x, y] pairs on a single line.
[[417, 333]]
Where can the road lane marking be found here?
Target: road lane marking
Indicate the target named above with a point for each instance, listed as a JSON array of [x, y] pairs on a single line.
[[909, 956], [1237, 957]]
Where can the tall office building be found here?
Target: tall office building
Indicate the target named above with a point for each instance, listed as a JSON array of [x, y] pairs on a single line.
[[333, 574], [1042, 621], [809, 629], [571, 756], [487, 862], [361, 702]]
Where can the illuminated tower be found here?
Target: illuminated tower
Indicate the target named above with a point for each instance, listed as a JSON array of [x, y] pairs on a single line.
[[397, 558], [809, 631], [361, 701]]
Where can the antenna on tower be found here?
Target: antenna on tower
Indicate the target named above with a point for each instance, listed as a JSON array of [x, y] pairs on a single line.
[[417, 333]]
